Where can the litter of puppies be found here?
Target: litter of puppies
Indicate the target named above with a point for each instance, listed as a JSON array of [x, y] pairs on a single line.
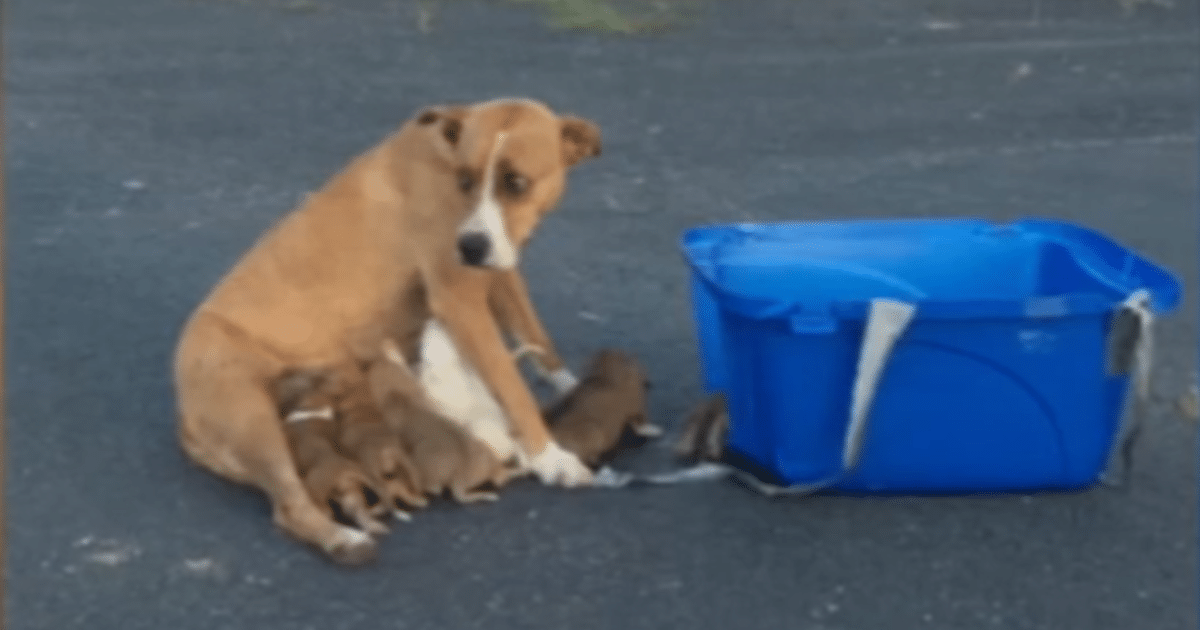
[[367, 443]]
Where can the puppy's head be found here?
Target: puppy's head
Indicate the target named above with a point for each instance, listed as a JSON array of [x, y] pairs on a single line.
[[297, 389], [510, 159], [619, 369], [623, 373]]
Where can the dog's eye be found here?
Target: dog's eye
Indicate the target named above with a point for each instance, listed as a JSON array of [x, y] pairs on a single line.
[[465, 181], [514, 184]]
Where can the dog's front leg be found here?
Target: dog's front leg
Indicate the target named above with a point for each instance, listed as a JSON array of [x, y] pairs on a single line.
[[514, 310], [467, 318]]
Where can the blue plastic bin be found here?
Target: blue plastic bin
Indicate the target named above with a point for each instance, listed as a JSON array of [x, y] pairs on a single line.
[[998, 383]]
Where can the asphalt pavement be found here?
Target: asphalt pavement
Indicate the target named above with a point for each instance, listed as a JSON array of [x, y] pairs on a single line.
[[148, 143]]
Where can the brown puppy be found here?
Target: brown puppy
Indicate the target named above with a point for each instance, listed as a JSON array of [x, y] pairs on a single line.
[[591, 420], [446, 457], [364, 436], [308, 409], [428, 223]]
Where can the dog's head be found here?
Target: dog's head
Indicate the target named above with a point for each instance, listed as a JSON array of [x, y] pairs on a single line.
[[510, 160]]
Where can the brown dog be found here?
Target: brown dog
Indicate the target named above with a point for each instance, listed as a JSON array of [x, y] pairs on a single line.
[[428, 223], [591, 420], [446, 457], [308, 408]]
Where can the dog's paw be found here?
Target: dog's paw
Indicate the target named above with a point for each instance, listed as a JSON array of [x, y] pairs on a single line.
[[648, 430], [555, 466], [562, 380], [352, 547]]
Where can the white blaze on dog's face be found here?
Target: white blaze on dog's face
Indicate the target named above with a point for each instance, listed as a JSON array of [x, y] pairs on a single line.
[[512, 156]]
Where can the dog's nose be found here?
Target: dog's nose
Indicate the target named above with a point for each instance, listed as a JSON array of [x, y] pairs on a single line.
[[474, 248]]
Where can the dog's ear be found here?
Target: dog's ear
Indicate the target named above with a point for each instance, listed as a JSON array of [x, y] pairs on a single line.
[[448, 119], [580, 140]]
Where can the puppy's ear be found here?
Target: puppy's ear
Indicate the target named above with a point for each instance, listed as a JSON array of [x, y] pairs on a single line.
[[581, 140], [447, 118]]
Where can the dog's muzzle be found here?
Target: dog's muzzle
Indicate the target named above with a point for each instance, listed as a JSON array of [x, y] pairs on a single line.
[[474, 248]]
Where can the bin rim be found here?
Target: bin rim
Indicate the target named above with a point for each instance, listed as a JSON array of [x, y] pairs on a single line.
[[1080, 241]]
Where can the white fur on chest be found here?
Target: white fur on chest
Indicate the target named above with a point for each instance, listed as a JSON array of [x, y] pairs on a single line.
[[460, 393]]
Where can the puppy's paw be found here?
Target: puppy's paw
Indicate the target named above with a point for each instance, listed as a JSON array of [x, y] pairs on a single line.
[[372, 526], [557, 467], [477, 496], [352, 547]]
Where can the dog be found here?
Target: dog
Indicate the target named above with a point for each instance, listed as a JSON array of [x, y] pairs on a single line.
[[308, 409], [592, 419], [447, 458], [428, 224]]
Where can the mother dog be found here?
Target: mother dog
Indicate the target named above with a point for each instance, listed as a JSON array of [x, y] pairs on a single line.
[[429, 223]]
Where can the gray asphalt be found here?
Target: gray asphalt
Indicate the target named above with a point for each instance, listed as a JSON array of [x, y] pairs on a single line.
[[148, 144]]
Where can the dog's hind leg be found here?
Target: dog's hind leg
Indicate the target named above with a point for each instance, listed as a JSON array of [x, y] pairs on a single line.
[[229, 424]]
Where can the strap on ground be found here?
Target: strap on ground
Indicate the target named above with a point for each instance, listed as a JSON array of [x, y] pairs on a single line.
[[887, 321]]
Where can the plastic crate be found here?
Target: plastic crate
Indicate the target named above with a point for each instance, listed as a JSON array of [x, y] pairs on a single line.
[[999, 377]]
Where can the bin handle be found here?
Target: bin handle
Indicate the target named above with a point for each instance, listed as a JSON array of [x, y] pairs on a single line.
[[1130, 351], [886, 322]]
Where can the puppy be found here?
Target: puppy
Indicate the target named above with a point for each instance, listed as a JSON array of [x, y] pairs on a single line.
[[591, 420], [704, 431], [446, 457], [366, 437], [308, 409]]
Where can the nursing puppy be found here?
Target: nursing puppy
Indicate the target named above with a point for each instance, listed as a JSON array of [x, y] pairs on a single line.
[[308, 409], [364, 435], [592, 419], [427, 224], [446, 458]]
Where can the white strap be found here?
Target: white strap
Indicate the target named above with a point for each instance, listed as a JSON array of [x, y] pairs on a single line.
[[304, 415], [1138, 304], [888, 320], [527, 349]]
